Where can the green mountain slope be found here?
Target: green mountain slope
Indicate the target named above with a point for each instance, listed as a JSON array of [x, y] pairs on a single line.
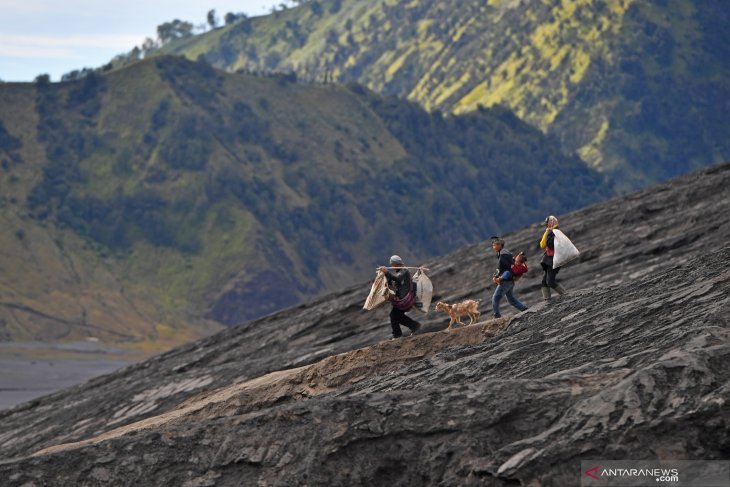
[[167, 197], [637, 88]]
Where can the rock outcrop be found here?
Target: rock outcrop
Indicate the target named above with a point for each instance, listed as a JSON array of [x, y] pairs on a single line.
[[632, 363]]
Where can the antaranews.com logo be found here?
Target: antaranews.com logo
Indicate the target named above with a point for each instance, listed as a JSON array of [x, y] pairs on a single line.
[[640, 473], [660, 474]]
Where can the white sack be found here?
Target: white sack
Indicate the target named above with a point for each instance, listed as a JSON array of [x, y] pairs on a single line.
[[378, 292], [424, 291], [565, 251]]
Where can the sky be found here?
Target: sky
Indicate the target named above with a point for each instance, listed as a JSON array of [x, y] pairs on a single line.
[[58, 36]]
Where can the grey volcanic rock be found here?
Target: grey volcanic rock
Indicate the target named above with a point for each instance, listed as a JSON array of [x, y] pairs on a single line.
[[633, 363]]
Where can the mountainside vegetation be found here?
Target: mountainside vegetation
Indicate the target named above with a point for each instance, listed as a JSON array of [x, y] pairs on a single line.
[[638, 89], [164, 199]]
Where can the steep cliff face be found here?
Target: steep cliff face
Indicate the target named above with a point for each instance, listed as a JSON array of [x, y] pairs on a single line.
[[632, 363]]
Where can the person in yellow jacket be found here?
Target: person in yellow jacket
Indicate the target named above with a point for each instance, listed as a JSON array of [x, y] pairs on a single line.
[[548, 244]]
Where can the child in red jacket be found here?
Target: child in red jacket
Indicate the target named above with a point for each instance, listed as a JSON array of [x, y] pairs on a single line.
[[519, 267]]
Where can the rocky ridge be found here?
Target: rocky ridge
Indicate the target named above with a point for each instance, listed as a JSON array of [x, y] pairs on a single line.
[[632, 363]]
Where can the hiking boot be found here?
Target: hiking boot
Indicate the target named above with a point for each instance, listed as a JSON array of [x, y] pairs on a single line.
[[395, 338], [415, 329], [560, 289], [545, 293]]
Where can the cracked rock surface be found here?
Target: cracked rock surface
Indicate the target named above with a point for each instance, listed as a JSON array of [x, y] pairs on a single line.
[[632, 363]]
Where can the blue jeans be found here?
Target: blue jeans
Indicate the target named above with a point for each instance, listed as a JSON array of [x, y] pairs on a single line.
[[505, 289]]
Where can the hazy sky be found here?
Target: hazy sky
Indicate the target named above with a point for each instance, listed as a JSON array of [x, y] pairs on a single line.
[[58, 36]]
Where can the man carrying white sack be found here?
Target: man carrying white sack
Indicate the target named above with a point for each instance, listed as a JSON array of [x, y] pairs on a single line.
[[399, 280]]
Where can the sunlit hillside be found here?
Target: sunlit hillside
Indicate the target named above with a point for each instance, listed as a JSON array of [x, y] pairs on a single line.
[[637, 88]]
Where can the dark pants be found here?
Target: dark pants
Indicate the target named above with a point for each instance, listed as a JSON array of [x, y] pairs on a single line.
[[548, 280], [397, 318]]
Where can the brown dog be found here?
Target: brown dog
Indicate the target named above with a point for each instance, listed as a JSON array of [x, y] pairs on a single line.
[[456, 311]]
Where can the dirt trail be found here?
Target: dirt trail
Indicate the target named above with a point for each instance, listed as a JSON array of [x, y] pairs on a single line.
[[300, 383]]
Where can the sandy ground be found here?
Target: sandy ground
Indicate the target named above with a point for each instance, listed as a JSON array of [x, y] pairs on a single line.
[[31, 369], [324, 376]]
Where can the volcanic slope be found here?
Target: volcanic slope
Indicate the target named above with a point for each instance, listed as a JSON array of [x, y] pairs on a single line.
[[632, 363]]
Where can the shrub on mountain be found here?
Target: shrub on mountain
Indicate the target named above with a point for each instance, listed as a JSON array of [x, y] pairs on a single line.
[[177, 29], [227, 53], [272, 60], [198, 81], [189, 144], [76, 74], [250, 127], [316, 8], [8, 143], [85, 96], [212, 19], [42, 79], [159, 118]]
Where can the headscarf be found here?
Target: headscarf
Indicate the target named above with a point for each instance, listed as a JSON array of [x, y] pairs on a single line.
[[551, 221]]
